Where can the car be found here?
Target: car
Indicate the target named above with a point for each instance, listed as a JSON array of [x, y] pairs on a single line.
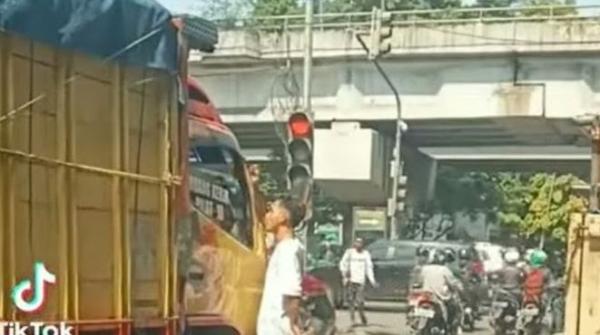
[[393, 261], [491, 255]]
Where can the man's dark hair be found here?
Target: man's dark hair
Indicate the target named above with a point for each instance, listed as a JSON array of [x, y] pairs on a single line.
[[295, 208]]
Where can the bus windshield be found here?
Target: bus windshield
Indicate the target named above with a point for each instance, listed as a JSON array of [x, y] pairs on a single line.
[[218, 189]]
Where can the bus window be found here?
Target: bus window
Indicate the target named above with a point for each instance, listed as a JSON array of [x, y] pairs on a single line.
[[218, 192]]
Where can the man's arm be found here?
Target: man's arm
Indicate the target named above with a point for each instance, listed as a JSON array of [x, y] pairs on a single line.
[[370, 273], [344, 268], [291, 279], [292, 310], [452, 281]]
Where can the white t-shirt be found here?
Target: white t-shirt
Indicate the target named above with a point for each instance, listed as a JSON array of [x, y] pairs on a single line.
[[283, 278], [359, 265]]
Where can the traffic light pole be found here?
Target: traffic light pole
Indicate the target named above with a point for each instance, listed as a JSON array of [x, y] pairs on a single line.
[[398, 144], [308, 51], [595, 165], [307, 92]]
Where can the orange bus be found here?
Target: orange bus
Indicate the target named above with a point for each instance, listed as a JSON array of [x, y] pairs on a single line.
[[226, 264]]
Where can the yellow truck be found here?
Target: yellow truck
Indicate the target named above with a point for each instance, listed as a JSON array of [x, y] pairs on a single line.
[[94, 191]]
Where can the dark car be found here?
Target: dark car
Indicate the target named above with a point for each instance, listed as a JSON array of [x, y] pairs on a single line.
[[393, 262]]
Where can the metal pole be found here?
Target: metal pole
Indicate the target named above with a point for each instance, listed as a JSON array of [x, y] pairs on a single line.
[[308, 48], [595, 165], [398, 144], [307, 90]]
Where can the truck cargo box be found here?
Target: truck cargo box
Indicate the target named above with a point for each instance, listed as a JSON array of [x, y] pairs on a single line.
[[88, 150]]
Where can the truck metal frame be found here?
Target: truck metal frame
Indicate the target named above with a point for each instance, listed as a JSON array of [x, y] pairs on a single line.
[[88, 157]]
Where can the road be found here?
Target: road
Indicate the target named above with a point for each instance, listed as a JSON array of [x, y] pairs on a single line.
[[389, 319]]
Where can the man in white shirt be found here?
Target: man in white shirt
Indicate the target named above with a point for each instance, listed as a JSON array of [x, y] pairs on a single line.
[[356, 266], [279, 312]]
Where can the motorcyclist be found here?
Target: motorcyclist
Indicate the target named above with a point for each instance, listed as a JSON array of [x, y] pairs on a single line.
[[470, 279], [439, 279], [422, 255], [537, 278], [510, 278]]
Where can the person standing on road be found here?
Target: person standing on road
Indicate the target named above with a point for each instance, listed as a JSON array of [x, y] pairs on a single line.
[[279, 312], [356, 266]]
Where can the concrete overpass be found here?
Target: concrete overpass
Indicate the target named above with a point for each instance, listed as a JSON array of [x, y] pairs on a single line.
[[474, 88]]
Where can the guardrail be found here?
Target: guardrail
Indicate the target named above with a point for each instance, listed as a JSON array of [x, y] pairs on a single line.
[[413, 17]]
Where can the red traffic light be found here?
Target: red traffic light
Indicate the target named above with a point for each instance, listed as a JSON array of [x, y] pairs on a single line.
[[299, 125]]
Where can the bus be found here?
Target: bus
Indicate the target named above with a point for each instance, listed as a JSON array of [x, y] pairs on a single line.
[[226, 267]]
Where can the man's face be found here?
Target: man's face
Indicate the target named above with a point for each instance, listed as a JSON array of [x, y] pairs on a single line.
[[276, 215], [358, 244]]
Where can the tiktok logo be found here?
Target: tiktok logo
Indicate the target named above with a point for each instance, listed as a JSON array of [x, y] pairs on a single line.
[[30, 296]]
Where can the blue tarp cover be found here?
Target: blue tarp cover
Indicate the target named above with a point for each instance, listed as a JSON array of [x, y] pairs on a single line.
[[137, 32]]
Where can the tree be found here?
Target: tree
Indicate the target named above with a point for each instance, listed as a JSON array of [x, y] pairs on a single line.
[[539, 204], [532, 204], [275, 7]]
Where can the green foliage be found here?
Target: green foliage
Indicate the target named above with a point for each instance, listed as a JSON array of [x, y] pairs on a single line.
[[458, 191], [530, 203], [552, 203], [275, 7], [543, 12]]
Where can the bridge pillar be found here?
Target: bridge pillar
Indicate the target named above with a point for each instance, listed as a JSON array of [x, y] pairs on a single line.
[[420, 170]]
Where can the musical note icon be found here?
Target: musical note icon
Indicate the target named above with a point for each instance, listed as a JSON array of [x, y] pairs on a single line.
[[30, 297]]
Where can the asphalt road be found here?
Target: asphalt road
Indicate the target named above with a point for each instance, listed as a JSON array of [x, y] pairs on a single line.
[[389, 319]]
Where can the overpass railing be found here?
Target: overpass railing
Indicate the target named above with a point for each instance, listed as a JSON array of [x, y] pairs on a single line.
[[357, 20]]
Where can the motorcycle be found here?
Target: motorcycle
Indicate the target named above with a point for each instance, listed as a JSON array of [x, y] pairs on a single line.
[[504, 312], [425, 316], [557, 307], [317, 310], [532, 319], [469, 299]]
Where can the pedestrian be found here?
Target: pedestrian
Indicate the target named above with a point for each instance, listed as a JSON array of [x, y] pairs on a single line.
[[356, 266], [279, 312]]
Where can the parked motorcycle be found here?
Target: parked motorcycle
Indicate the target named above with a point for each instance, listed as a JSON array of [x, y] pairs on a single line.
[[318, 311], [504, 312], [425, 316]]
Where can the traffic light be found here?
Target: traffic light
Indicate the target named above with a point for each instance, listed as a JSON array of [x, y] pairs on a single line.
[[401, 194], [381, 31], [300, 134], [397, 203]]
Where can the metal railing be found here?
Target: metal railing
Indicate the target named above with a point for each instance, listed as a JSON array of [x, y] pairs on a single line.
[[413, 17]]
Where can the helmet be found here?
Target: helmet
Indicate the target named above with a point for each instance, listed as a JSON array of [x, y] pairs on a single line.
[[450, 255], [439, 257], [422, 251], [538, 258], [511, 256], [464, 254]]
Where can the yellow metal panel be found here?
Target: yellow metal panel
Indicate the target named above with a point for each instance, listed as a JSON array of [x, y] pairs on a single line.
[[61, 186], [126, 192], [78, 219], [8, 216], [72, 193], [4, 63], [117, 227], [163, 232], [233, 279]]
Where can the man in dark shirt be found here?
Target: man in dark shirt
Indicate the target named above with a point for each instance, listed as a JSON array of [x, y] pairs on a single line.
[[511, 277]]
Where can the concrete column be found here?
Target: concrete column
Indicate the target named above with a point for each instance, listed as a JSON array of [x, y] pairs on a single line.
[[421, 171]]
